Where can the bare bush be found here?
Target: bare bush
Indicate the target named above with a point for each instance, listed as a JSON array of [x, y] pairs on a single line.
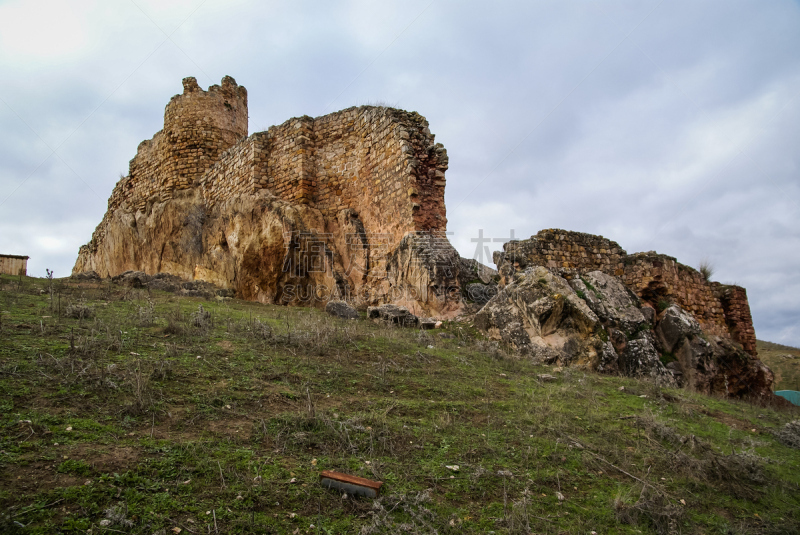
[[420, 518], [146, 313], [789, 434], [79, 311], [651, 508]]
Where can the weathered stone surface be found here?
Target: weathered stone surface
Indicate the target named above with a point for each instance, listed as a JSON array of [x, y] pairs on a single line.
[[720, 310], [341, 309], [350, 204], [88, 276], [675, 326], [481, 293], [473, 271], [615, 305], [641, 359], [393, 314], [134, 279], [539, 310]]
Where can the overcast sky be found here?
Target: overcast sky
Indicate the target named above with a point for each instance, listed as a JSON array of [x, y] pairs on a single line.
[[668, 126]]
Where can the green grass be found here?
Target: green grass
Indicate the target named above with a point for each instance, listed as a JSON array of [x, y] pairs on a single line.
[[151, 415], [784, 361]]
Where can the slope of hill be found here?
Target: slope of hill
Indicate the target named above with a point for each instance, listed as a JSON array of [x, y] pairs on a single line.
[[784, 361], [143, 412]]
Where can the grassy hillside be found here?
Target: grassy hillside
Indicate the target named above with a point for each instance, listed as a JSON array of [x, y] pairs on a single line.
[[784, 361], [124, 411]]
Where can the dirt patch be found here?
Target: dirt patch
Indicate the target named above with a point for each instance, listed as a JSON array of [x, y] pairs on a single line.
[[226, 345], [730, 421]]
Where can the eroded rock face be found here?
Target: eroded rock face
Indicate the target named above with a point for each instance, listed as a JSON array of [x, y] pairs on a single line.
[[341, 309], [615, 305], [345, 206], [710, 364], [539, 313], [594, 321]]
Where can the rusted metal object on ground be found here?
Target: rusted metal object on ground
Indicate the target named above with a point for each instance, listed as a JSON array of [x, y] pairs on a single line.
[[357, 486]]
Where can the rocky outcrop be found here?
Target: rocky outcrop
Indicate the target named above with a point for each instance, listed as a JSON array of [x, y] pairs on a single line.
[[704, 334], [657, 279], [595, 321], [597, 327], [341, 309], [346, 206], [393, 315], [709, 364]]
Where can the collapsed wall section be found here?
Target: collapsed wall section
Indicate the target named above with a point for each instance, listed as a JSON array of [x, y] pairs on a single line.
[[565, 252], [380, 166], [737, 314], [655, 278]]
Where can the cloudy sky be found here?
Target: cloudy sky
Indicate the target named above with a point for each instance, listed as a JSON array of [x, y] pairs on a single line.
[[669, 126]]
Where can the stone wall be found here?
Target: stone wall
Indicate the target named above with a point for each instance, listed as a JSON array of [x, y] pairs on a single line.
[[654, 277], [565, 252], [381, 164], [720, 310], [737, 314]]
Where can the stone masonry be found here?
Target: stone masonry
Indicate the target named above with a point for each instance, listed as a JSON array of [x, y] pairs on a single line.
[[721, 310], [382, 162]]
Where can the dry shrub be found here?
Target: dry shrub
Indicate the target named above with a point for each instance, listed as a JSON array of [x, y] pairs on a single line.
[[735, 473], [137, 378], [175, 323], [78, 311], [146, 314], [401, 513], [651, 508], [789, 434]]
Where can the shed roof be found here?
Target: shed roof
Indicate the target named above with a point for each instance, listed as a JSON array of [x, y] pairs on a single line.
[[14, 256]]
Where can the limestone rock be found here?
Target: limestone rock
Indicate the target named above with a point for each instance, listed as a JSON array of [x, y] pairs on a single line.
[[393, 314], [539, 309], [675, 326], [87, 276], [615, 305], [341, 309], [134, 279], [480, 293], [538, 312], [641, 359], [345, 206]]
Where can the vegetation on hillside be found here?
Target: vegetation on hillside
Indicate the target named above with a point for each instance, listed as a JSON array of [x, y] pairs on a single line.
[[125, 411], [784, 361]]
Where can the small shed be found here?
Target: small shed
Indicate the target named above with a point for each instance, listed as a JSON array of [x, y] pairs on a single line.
[[11, 264]]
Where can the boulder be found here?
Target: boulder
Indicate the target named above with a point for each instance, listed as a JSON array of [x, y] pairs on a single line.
[[538, 309], [480, 293], [641, 359], [86, 276], [675, 327], [393, 314], [134, 279], [341, 309], [615, 305], [540, 313]]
